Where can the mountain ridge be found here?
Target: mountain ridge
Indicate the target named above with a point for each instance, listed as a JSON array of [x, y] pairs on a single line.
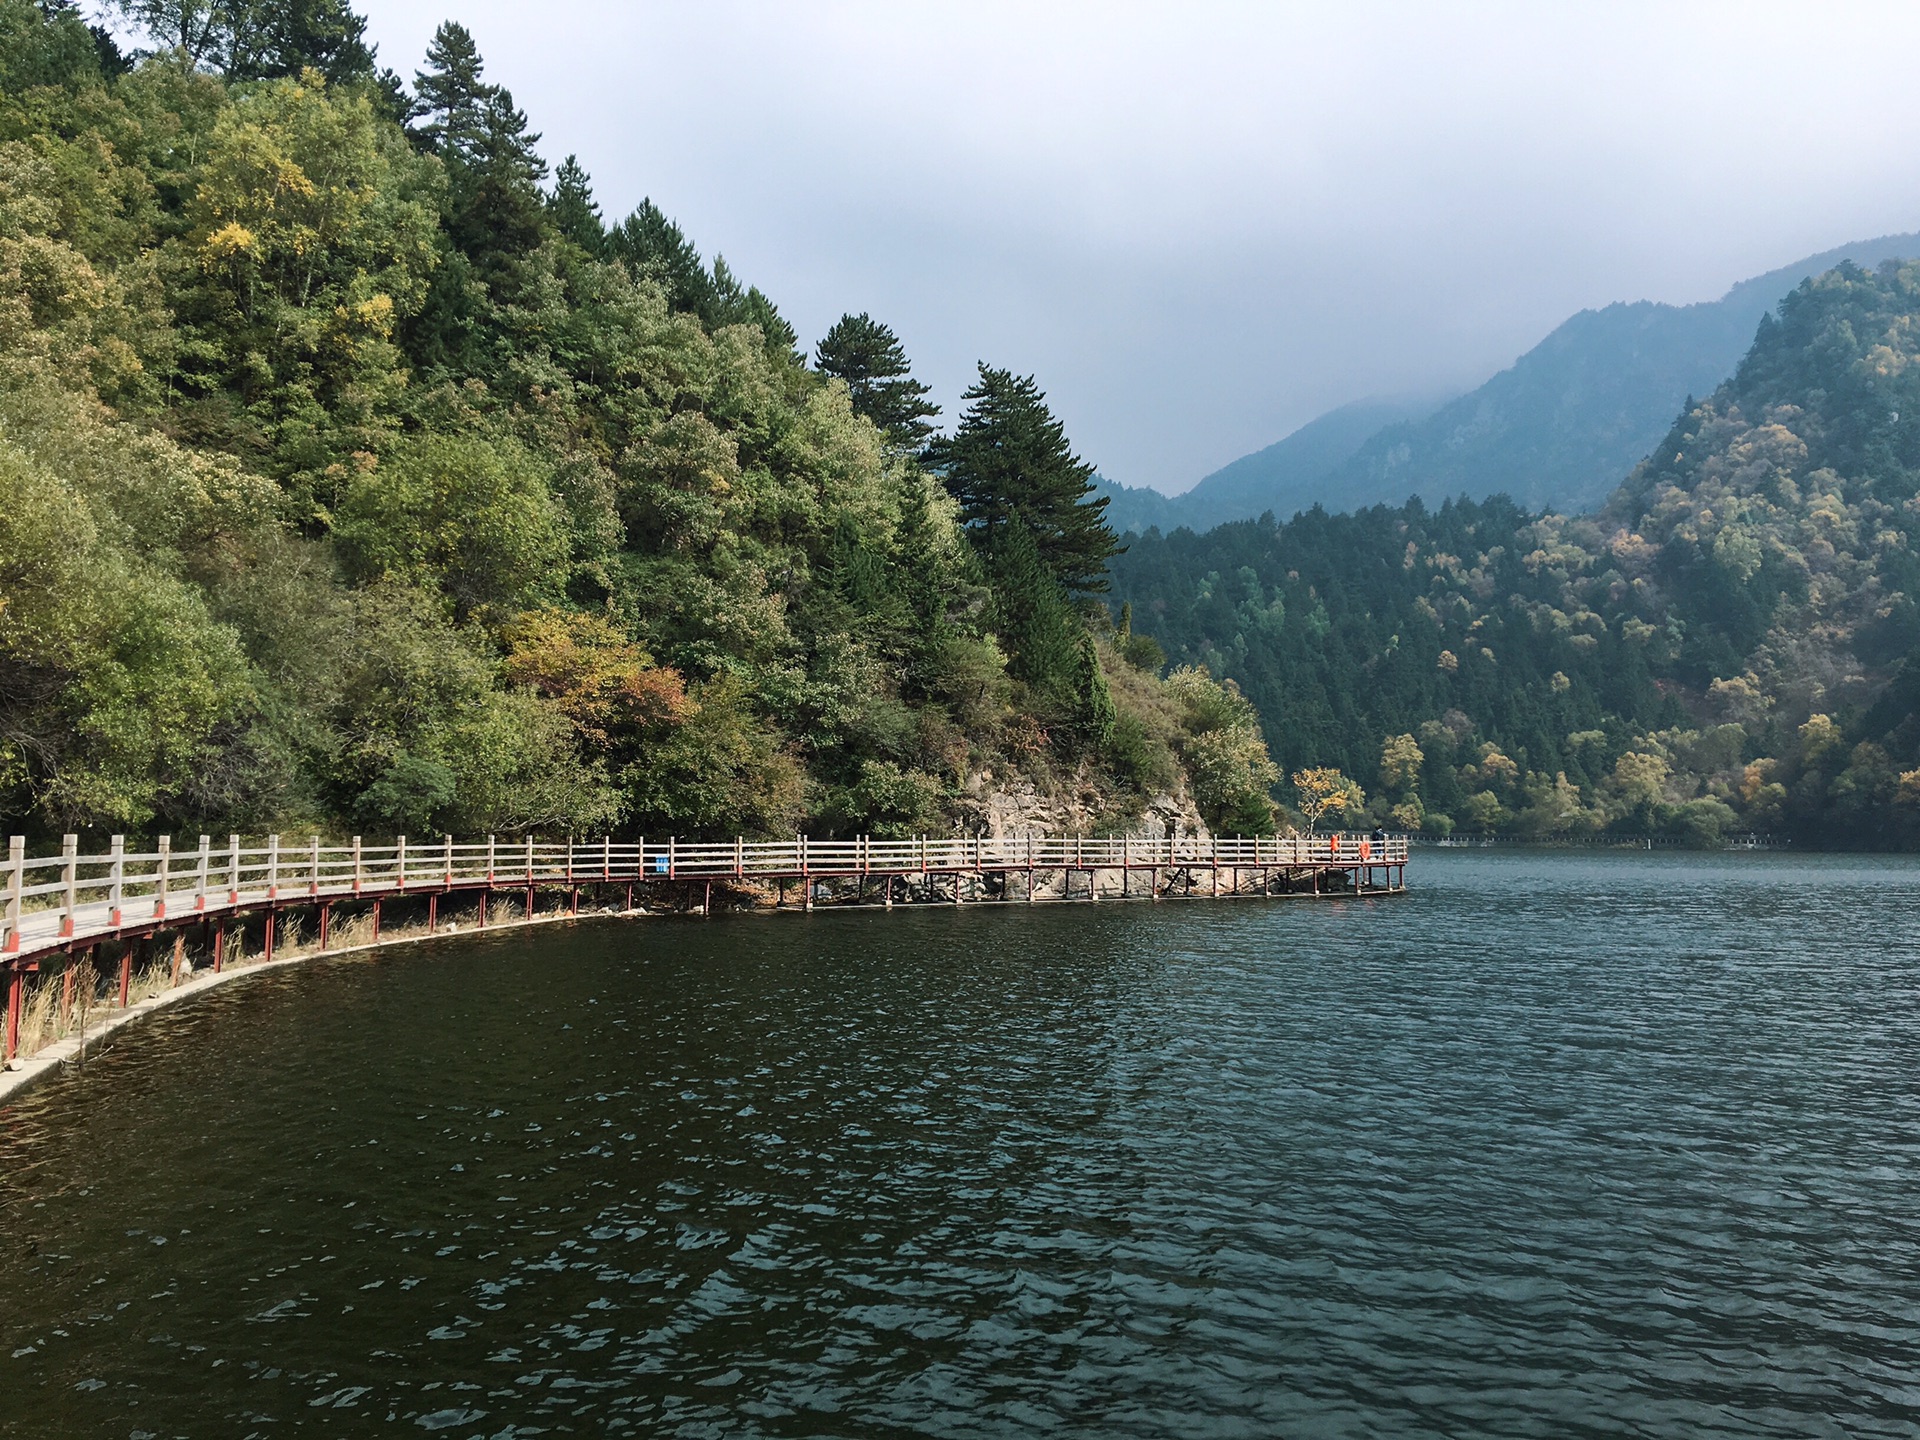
[[1555, 430]]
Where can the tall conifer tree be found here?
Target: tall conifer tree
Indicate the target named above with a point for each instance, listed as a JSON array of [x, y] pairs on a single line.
[[869, 357], [284, 37], [1010, 459], [575, 213], [452, 95], [651, 244]]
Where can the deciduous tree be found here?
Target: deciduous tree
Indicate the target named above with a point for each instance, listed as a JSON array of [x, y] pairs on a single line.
[[1321, 792]]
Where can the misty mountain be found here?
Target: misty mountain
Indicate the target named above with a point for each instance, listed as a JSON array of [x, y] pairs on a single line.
[[1287, 476], [1559, 428], [1556, 430]]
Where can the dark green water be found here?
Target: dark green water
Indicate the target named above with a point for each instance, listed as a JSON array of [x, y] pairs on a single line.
[[1558, 1145]]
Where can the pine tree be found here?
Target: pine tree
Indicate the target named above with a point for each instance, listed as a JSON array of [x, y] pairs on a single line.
[[284, 37], [576, 214], [1031, 613], [497, 213], [869, 357], [508, 152], [781, 336], [652, 245], [453, 95], [1009, 460]]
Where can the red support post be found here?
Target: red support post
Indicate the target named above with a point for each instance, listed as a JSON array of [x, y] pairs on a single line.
[[219, 945], [15, 984], [433, 913], [326, 915], [270, 918], [126, 975], [376, 922]]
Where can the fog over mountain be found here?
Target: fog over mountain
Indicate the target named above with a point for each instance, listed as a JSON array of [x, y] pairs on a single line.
[[1557, 429]]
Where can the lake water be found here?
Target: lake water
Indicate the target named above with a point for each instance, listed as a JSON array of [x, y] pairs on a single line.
[[1556, 1145]]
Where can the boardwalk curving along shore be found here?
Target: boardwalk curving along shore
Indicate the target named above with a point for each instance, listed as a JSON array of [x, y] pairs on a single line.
[[65, 909]]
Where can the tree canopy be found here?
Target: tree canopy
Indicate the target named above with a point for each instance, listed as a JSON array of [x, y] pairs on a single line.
[[1731, 642], [868, 356], [352, 478], [1009, 460]]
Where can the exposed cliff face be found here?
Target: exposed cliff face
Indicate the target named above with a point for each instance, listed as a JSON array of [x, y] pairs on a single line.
[[1013, 807]]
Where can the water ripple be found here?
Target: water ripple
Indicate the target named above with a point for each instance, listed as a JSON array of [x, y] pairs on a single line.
[[1557, 1146]]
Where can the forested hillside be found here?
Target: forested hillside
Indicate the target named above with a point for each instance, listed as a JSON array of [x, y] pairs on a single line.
[[356, 473], [1732, 642]]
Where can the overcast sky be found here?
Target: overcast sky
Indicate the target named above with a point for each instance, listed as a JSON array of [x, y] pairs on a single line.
[[1201, 225]]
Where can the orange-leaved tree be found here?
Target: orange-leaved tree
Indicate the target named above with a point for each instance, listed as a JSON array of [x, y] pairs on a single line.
[[1323, 791]]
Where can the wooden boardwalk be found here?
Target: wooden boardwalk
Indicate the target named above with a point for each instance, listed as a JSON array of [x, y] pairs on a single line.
[[61, 905]]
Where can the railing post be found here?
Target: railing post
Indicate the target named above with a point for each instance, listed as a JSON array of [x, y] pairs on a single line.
[[606, 857], [161, 867], [490, 859], [233, 869], [673, 859], [359, 871], [69, 881], [446, 868], [273, 867], [529, 860], [400, 862], [117, 874], [16, 882], [313, 872], [739, 855], [200, 872]]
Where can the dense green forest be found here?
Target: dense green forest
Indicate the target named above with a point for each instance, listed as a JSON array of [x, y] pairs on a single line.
[[357, 472], [1730, 643]]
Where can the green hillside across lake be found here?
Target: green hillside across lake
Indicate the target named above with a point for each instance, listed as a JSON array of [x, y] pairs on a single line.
[[1731, 642]]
